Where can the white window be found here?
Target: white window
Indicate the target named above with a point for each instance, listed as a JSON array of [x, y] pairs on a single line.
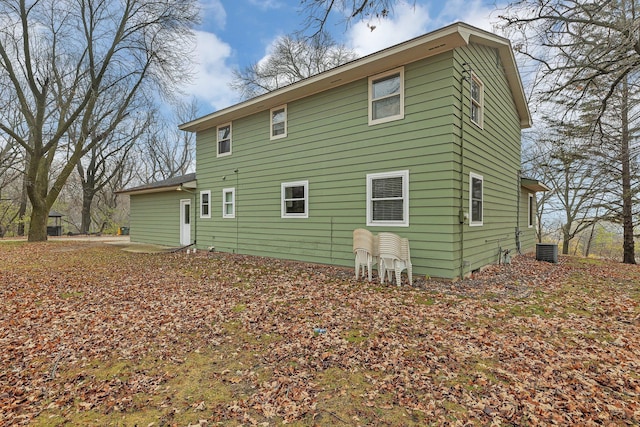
[[279, 122], [531, 211], [228, 203], [477, 100], [388, 199], [224, 140], [295, 199], [476, 199], [205, 204], [386, 96]]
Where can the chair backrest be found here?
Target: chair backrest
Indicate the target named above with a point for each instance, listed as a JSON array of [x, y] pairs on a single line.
[[389, 245], [406, 253], [363, 239]]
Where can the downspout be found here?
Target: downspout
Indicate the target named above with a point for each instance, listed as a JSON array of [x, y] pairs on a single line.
[[235, 208], [519, 191], [462, 214]]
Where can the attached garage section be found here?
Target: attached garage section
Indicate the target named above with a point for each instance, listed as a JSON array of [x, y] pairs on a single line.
[[162, 213]]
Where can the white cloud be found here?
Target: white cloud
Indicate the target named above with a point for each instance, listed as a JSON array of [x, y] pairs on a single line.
[[213, 12], [213, 73], [407, 22], [267, 4], [477, 13]]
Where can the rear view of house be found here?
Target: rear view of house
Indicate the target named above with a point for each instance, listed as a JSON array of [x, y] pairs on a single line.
[[421, 139]]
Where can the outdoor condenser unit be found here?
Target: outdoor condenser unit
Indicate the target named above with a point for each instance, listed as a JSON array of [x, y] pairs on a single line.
[[547, 252]]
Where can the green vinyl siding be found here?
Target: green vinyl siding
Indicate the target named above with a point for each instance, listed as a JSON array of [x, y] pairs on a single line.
[[492, 152], [527, 235], [330, 144], [155, 217]]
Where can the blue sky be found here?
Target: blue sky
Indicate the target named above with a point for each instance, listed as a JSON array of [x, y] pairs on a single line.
[[237, 33]]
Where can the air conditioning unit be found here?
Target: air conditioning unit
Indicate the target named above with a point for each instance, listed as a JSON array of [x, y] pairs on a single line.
[[547, 252]]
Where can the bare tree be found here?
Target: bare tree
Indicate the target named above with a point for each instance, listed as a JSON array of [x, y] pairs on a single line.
[[105, 161], [562, 161], [60, 60], [317, 12], [293, 58], [165, 151], [10, 161], [586, 51]]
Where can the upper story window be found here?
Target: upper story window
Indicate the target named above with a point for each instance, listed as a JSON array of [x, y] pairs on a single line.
[[388, 199], [476, 198], [228, 203], [279, 122], [224, 140], [205, 204], [477, 100], [386, 96], [295, 199]]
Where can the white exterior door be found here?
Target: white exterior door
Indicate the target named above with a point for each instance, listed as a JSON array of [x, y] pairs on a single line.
[[185, 222]]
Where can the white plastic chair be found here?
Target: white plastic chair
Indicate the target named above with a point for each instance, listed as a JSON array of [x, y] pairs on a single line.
[[394, 255], [364, 248]]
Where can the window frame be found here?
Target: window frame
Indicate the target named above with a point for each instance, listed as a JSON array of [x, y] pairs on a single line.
[[271, 122], [472, 222], [404, 174], [232, 191], [203, 204], [530, 212], [226, 153], [283, 199], [382, 76], [477, 103]]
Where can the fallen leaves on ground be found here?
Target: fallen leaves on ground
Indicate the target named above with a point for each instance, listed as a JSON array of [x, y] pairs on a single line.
[[90, 335]]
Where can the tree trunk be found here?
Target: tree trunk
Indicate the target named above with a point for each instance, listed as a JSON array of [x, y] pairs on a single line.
[[38, 225], [627, 192], [590, 240], [566, 238], [565, 244], [22, 209], [87, 200], [37, 176]]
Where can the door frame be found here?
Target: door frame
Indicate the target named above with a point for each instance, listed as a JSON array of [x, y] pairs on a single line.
[[185, 227]]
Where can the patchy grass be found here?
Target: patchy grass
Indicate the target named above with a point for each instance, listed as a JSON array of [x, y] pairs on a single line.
[[91, 335]]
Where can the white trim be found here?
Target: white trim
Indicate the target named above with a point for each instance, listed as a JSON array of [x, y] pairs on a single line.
[[208, 194], [225, 191], [531, 217], [473, 223], [404, 174], [283, 187], [218, 154], [381, 76], [185, 236], [479, 102], [282, 135], [429, 45]]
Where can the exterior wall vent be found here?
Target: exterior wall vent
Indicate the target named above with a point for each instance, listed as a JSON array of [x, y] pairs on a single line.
[[547, 252]]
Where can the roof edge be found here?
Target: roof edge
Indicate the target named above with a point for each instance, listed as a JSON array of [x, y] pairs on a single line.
[[430, 44], [179, 183], [533, 185]]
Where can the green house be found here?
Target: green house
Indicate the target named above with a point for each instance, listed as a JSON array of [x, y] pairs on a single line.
[[421, 139]]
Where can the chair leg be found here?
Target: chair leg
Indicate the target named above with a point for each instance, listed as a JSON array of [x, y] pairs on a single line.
[[398, 276]]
